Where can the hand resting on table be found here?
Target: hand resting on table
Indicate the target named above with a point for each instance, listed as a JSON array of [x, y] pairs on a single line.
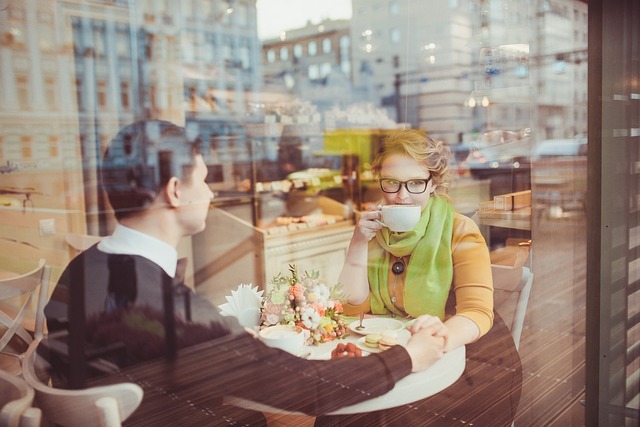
[[432, 323], [425, 348]]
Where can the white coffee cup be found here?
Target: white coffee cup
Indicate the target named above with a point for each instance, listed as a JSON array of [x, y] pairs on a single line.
[[400, 218], [284, 337]]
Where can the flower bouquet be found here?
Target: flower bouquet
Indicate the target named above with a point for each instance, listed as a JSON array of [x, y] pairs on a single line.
[[304, 300]]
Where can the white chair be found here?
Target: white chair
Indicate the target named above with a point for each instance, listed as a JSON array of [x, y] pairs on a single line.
[[20, 291], [16, 398], [508, 282], [104, 406]]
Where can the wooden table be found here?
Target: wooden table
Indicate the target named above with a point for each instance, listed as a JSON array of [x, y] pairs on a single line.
[[487, 393], [414, 387]]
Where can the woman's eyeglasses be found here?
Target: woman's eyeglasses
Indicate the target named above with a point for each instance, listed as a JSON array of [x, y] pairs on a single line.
[[413, 186]]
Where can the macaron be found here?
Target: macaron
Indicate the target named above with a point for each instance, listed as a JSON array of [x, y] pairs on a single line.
[[387, 340], [371, 340]]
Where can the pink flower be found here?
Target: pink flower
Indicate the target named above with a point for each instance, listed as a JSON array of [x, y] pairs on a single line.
[[338, 306], [319, 309], [297, 291], [270, 307]]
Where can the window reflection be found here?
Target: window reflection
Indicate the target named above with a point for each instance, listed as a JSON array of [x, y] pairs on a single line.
[[290, 123]]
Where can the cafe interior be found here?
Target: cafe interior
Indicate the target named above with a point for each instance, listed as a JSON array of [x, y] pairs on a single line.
[[538, 102]]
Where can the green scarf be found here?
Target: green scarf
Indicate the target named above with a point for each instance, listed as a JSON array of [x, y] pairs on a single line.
[[430, 269]]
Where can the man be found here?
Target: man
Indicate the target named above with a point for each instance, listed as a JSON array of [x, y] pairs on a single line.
[[117, 303]]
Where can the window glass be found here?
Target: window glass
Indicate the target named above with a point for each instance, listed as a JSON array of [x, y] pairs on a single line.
[[289, 118], [326, 45], [312, 48], [393, 7], [394, 35], [314, 71]]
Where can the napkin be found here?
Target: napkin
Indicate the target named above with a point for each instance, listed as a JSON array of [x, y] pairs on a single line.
[[244, 304]]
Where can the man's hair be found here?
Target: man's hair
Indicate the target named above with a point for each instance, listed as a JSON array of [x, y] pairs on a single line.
[[141, 160]]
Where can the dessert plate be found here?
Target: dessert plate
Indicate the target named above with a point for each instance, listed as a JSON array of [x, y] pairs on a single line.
[[403, 337], [376, 325]]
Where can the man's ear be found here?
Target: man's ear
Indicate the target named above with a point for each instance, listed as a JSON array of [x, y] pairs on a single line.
[[172, 192]]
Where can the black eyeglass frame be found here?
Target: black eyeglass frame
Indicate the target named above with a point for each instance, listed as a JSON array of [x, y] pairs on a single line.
[[401, 183]]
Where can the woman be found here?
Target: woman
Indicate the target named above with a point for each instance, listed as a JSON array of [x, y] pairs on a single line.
[[412, 273]]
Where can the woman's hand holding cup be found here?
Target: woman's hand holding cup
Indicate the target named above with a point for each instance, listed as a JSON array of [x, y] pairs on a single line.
[[369, 223]]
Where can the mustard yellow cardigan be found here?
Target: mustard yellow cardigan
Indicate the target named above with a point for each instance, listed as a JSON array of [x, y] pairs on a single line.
[[472, 280]]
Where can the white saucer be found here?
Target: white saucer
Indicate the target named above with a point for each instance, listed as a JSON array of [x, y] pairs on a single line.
[[376, 325]]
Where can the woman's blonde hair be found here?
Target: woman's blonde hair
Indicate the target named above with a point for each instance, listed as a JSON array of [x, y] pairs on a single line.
[[423, 149]]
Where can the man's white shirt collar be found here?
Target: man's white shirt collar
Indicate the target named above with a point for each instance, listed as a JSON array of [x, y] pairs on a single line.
[[127, 241]]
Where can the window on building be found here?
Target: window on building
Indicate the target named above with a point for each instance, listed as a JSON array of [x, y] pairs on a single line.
[[284, 53], [124, 95], [345, 54], [297, 51], [99, 42], [326, 45], [149, 45], [23, 91], [345, 66], [123, 44], [102, 93], [245, 61], [394, 35], [227, 55], [271, 56], [26, 147], [188, 47], [79, 94], [394, 9], [207, 52], [50, 88], [53, 146], [325, 69], [312, 48], [153, 101], [314, 72]]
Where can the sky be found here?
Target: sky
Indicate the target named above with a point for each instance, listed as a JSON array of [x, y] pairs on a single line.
[[275, 16]]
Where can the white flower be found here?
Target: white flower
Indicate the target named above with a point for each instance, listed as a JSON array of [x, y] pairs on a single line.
[[321, 293], [310, 318]]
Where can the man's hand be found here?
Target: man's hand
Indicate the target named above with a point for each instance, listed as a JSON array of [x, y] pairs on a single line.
[[425, 348]]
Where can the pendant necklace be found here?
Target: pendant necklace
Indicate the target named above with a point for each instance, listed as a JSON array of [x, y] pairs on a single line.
[[397, 268]]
